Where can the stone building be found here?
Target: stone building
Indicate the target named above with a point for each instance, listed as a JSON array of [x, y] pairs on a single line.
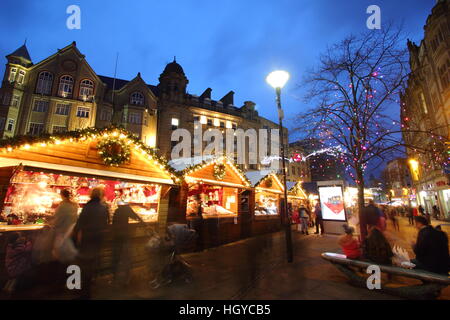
[[63, 92], [425, 106], [397, 180]]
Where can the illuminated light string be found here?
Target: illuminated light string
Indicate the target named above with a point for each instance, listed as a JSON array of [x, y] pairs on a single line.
[[26, 142]]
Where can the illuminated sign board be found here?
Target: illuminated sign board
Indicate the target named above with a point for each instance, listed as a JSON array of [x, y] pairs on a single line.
[[332, 203]]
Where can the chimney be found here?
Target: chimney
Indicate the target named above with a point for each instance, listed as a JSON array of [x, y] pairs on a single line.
[[206, 94], [228, 99]]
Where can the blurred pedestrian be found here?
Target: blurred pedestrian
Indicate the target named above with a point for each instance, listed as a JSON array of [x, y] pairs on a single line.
[[436, 212], [121, 240], [410, 214], [376, 247], [304, 218], [89, 229], [393, 217], [18, 262], [370, 217]]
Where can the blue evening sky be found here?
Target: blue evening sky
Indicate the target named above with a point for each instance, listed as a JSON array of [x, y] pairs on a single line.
[[226, 45]]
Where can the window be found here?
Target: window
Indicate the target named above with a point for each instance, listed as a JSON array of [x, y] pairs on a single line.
[[229, 125], [83, 112], [36, 128], [10, 126], [105, 115], [15, 101], [12, 74], [203, 120], [137, 98], [234, 126], [44, 83], [2, 123], [21, 77], [196, 118], [216, 122], [65, 87], [175, 123], [86, 89], [222, 124], [6, 98], [134, 117], [59, 129], [210, 122], [40, 106], [62, 109]]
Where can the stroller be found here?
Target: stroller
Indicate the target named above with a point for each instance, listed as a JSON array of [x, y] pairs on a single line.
[[170, 266]]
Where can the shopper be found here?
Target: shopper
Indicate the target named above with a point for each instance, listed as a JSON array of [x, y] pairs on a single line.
[[349, 244], [65, 219], [121, 240], [89, 229], [304, 218], [370, 217], [393, 217], [410, 213], [436, 212], [431, 248], [319, 219]]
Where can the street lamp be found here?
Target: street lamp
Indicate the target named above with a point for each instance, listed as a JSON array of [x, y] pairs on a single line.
[[277, 79]]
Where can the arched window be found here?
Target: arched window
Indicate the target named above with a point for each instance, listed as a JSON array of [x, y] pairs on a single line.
[[137, 98], [86, 89], [65, 86], [44, 83]]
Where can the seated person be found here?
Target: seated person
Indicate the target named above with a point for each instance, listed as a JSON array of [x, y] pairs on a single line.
[[18, 260], [376, 248], [431, 248], [350, 245]]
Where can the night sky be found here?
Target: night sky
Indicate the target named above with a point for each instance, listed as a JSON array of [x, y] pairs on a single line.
[[226, 45]]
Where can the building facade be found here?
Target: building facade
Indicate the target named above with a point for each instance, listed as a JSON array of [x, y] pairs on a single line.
[[425, 106], [397, 180], [63, 93]]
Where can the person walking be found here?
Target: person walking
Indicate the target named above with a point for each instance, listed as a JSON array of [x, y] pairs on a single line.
[[393, 217], [436, 212], [421, 210], [370, 217], [121, 240], [410, 214], [319, 219], [89, 230]]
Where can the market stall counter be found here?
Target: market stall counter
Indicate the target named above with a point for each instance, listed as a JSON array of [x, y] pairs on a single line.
[[34, 170], [266, 201], [216, 201]]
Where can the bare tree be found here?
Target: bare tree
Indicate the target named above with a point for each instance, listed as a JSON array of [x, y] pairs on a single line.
[[353, 89]]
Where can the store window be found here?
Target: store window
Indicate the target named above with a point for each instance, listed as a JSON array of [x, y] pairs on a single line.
[[12, 74], [83, 112], [135, 118], [211, 200], [86, 89], [36, 128], [137, 98], [10, 126], [21, 77], [44, 83], [40, 106], [59, 129], [62, 109], [65, 87]]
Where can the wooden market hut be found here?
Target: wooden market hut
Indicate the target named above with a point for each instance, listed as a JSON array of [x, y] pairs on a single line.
[[77, 159]]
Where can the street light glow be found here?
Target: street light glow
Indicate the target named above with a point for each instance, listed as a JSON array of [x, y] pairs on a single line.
[[278, 78]]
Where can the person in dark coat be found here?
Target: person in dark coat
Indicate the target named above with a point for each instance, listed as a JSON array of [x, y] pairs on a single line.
[[89, 231], [319, 219], [376, 247], [121, 239], [370, 217], [431, 248], [410, 214]]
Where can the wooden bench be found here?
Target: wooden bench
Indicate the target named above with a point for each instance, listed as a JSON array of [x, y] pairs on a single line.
[[432, 283]]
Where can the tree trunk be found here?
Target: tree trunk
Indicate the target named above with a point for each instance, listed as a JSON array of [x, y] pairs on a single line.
[[362, 220]]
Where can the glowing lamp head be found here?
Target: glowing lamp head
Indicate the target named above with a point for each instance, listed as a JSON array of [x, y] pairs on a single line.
[[278, 78]]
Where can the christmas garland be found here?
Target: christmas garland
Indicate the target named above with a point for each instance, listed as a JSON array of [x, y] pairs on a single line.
[[219, 171], [113, 151]]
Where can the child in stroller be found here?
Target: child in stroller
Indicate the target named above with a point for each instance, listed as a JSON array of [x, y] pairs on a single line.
[[169, 266]]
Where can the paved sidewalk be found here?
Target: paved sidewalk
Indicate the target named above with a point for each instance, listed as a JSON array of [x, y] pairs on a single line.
[[256, 268]]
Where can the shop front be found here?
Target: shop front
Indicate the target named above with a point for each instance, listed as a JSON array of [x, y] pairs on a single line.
[[217, 201], [266, 201], [33, 171], [297, 196]]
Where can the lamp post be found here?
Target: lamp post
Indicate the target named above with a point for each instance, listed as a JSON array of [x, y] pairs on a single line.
[[277, 79]]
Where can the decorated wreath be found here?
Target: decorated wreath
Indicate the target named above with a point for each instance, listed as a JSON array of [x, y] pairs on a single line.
[[114, 151], [269, 183], [219, 171]]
